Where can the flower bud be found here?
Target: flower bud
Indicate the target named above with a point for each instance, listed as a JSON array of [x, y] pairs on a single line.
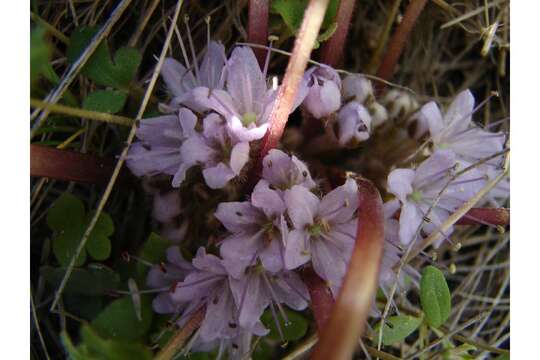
[[357, 87], [378, 113], [399, 103], [354, 124], [323, 91]]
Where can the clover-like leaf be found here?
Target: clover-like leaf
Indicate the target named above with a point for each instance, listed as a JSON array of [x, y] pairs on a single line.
[[100, 66], [295, 329], [101, 348], [152, 251], [96, 279], [119, 320], [68, 220], [397, 328], [40, 53], [292, 12], [107, 101], [434, 296]]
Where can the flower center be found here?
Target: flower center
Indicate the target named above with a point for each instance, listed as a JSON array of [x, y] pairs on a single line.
[[318, 228], [249, 118], [416, 196]]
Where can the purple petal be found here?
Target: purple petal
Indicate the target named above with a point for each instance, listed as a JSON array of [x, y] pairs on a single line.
[[237, 216], [251, 298], [218, 176], [328, 263], [410, 219], [267, 199], [433, 116], [239, 251], [178, 79], [340, 204], [239, 157], [166, 206], [302, 206], [458, 115], [400, 183], [297, 249], [212, 66]]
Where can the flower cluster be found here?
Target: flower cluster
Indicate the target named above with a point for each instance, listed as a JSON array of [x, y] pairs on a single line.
[[283, 226], [464, 157]]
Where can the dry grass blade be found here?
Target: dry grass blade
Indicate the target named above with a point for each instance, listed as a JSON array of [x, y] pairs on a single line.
[[341, 333], [121, 160], [178, 340], [74, 69]]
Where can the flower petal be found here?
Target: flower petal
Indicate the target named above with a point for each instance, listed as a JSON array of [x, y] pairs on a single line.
[[340, 204], [400, 183], [239, 157], [237, 216], [218, 176], [302, 206], [297, 249]]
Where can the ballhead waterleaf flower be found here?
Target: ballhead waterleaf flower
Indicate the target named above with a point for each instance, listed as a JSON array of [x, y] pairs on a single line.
[[354, 124], [283, 171], [324, 230]]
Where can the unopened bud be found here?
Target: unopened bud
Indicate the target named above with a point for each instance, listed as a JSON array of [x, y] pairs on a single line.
[[323, 91], [357, 87], [354, 123], [378, 113]]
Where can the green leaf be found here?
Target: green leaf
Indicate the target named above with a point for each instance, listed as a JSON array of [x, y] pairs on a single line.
[[434, 296], [40, 53], [119, 321], [503, 357], [100, 66], [110, 349], [74, 353], [107, 101], [292, 12], [397, 328], [99, 244], [153, 251], [68, 220], [97, 279], [294, 330]]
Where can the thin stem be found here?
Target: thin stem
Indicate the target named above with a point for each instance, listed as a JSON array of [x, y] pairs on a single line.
[[86, 114], [303, 45], [383, 38], [340, 335], [258, 26], [332, 50], [121, 160], [144, 21], [399, 40]]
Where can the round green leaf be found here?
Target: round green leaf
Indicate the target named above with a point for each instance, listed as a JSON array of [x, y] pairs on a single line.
[[97, 279], [98, 244], [119, 321], [397, 328], [107, 101], [434, 296], [111, 349], [65, 245], [294, 330], [66, 212]]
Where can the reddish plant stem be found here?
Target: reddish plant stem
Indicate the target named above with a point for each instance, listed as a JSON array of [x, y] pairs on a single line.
[[332, 50], [322, 301], [398, 41], [258, 27], [69, 165], [482, 216], [340, 334], [303, 45]]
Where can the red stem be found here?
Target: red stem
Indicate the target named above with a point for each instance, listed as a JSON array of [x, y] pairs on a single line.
[[398, 41], [482, 216], [340, 334], [321, 297], [69, 165], [332, 50], [258, 27]]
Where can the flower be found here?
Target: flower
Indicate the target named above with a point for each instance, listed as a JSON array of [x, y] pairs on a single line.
[[257, 288], [164, 276], [323, 91], [221, 156], [247, 101], [258, 229], [166, 206], [324, 230], [158, 151], [283, 171], [455, 131], [417, 190], [208, 286], [354, 124], [181, 80]]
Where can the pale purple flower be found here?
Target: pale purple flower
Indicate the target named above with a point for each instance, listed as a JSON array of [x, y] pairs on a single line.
[[354, 124], [418, 189], [158, 151], [165, 276], [324, 230], [238, 347], [247, 101], [221, 156], [208, 285], [283, 171], [166, 205], [323, 91], [257, 289], [258, 229], [181, 80], [455, 131]]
